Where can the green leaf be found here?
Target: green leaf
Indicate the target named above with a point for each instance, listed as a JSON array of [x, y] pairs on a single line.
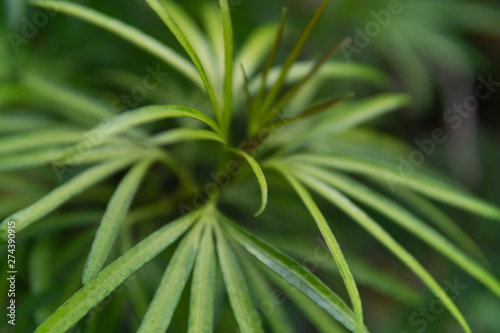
[[333, 245], [40, 138], [182, 134], [293, 273], [112, 219], [202, 306], [429, 186], [179, 35], [298, 87], [297, 49], [198, 39], [19, 122], [247, 317], [433, 214], [63, 193], [135, 289], [271, 58], [273, 313], [406, 220], [260, 178], [121, 123], [126, 32], [167, 296], [29, 159], [348, 117], [212, 24], [385, 239], [227, 27], [113, 275], [253, 51], [64, 100], [321, 319], [365, 273]]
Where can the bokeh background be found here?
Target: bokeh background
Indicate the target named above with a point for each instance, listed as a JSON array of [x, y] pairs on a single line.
[[433, 50]]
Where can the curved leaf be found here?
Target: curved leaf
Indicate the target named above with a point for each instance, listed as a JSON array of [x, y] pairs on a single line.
[[182, 134], [260, 178], [333, 246]]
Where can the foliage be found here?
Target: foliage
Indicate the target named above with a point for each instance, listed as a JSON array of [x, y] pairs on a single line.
[[314, 150]]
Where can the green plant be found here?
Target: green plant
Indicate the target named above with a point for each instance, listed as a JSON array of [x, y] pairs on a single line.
[[314, 147]]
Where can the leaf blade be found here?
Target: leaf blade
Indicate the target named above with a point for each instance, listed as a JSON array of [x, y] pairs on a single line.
[[61, 194], [168, 293], [179, 35], [201, 309], [113, 275], [261, 178], [293, 273], [333, 246], [112, 219], [385, 239], [236, 286], [430, 187], [124, 31], [408, 221]]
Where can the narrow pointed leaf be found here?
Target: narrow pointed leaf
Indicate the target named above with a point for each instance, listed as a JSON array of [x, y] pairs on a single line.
[[182, 134], [271, 57], [202, 306], [167, 296], [293, 273], [429, 186], [283, 101], [179, 35], [37, 139], [123, 122], [112, 219], [408, 221], [227, 27], [239, 296], [260, 178], [29, 159], [197, 38], [385, 239], [63, 193], [114, 275], [271, 96], [333, 246], [349, 117], [275, 316], [253, 52], [433, 214], [124, 31], [321, 319]]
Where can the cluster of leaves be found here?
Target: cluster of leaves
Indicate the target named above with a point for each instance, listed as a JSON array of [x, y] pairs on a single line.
[[318, 149]]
